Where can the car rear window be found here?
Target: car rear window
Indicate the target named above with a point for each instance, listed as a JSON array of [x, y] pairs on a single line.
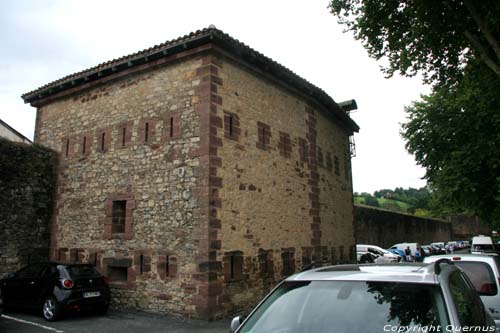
[[481, 276], [347, 306], [82, 270]]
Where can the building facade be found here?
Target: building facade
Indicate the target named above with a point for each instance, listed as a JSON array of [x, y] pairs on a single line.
[[196, 174], [9, 133]]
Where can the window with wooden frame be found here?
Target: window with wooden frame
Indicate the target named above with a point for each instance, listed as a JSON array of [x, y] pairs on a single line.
[[288, 261], [233, 266], [303, 151], [266, 266], [231, 126], [263, 136], [118, 216], [285, 145]]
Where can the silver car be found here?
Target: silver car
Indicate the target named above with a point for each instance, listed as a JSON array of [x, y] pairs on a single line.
[[371, 298], [484, 272]]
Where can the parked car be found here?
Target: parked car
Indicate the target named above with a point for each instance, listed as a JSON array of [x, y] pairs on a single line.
[[402, 247], [381, 255], [484, 272], [370, 298], [56, 288], [440, 246], [482, 244], [428, 251]]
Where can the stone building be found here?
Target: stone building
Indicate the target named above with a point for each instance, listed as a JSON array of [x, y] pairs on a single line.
[[11, 134], [196, 174]]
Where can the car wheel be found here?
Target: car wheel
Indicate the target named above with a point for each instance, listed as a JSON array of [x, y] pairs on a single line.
[[51, 309]]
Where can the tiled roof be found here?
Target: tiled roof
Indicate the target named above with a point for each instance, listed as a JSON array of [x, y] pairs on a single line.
[[193, 40]]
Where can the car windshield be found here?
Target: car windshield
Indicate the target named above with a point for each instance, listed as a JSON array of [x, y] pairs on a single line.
[[82, 271], [347, 306]]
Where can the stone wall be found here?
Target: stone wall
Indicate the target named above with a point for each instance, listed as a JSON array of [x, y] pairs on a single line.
[[286, 194], [107, 157], [27, 179], [465, 227], [385, 228]]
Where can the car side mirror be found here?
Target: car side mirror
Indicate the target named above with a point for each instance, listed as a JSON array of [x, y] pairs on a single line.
[[235, 323]]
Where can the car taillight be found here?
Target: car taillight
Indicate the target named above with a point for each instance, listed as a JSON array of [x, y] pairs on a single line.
[[456, 258], [68, 284], [106, 280]]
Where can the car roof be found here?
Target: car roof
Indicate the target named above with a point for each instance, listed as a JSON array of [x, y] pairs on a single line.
[[463, 257], [410, 273]]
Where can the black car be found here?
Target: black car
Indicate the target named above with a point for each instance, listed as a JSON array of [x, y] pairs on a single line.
[[56, 288]]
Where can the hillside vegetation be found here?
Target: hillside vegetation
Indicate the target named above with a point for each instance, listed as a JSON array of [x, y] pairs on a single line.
[[408, 201]]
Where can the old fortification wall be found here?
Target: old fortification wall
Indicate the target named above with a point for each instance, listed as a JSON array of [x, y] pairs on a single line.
[[385, 228], [27, 182]]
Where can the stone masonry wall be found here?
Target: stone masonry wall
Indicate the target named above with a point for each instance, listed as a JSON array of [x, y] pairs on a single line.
[[384, 228], [134, 140], [27, 179], [282, 204]]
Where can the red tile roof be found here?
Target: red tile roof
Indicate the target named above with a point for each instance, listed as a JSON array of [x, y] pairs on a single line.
[[195, 39]]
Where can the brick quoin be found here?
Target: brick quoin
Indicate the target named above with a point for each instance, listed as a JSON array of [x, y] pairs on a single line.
[[209, 269], [313, 181]]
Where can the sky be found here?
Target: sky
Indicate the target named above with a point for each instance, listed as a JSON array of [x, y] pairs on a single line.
[[44, 40]]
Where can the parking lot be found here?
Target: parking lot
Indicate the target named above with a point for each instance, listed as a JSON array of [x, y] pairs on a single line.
[[114, 321]]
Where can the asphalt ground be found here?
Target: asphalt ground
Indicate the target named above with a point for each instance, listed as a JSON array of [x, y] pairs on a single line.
[[114, 321]]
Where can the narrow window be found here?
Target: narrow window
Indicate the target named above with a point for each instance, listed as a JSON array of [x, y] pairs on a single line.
[[232, 267], [67, 148], [141, 264], [171, 126], [118, 216], [263, 135], [167, 266], [103, 141], [84, 145], [337, 166], [146, 132], [231, 125], [124, 132]]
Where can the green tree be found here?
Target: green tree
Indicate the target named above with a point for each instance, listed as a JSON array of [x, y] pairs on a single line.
[[454, 134], [434, 37]]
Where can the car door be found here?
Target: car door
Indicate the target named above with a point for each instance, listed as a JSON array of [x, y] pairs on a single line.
[[30, 284], [14, 287]]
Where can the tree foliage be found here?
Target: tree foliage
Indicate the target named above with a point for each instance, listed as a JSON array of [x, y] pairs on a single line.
[[436, 38], [454, 134]]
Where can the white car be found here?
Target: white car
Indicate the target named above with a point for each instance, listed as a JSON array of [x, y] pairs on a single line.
[[381, 255], [483, 271]]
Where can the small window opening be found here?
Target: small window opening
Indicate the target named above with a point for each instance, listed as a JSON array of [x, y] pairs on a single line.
[[103, 140], [167, 264], [231, 125], [146, 132], [67, 148], [124, 132], [171, 126], [84, 145], [117, 274], [141, 264], [232, 266]]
